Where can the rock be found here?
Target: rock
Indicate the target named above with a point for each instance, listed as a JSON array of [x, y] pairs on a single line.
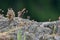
[[32, 29]]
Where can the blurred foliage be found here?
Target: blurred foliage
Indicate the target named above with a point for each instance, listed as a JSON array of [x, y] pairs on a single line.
[[39, 10]]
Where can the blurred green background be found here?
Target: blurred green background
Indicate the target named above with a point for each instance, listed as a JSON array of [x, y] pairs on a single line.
[[39, 10]]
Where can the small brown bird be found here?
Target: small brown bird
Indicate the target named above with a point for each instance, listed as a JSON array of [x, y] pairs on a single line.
[[20, 13], [10, 14]]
